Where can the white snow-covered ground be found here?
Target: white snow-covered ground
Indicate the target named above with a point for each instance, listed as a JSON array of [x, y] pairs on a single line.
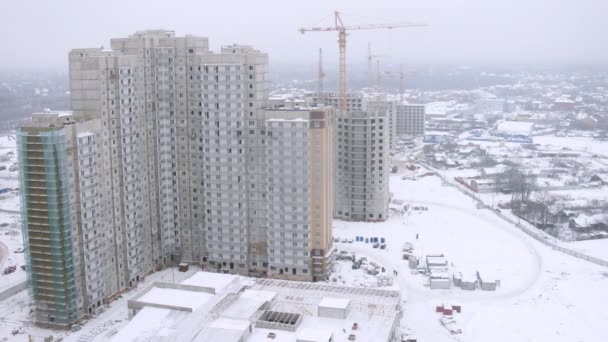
[[575, 143], [544, 295], [595, 248], [10, 240], [10, 221], [10, 201]]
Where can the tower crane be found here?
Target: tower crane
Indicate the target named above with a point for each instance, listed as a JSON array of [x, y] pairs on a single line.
[[321, 76], [401, 75], [341, 29], [370, 57]]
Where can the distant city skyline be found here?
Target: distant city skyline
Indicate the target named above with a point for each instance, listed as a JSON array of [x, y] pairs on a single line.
[[459, 32]]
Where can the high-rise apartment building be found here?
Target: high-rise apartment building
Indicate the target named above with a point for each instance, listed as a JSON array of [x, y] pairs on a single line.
[[409, 120], [167, 159], [68, 241], [362, 141], [362, 166], [299, 171], [182, 142]]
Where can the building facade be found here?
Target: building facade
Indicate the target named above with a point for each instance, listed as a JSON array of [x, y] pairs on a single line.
[[381, 105], [69, 246], [362, 142], [409, 120], [167, 160], [299, 159], [362, 166]]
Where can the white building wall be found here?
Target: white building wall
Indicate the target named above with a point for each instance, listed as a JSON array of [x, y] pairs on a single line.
[[410, 120], [362, 151], [287, 171]]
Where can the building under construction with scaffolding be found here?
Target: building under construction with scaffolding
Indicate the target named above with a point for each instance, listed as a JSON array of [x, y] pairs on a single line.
[[67, 232]]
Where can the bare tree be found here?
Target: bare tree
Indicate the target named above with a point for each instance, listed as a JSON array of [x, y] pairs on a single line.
[[520, 183], [548, 206]]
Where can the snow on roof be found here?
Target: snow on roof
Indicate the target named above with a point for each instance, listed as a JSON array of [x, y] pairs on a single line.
[[374, 328], [230, 324], [437, 133], [225, 330], [480, 181], [499, 168], [436, 260], [259, 294], [334, 303], [467, 275], [175, 297], [218, 281], [248, 304], [314, 335], [515, 127], [585, 220], [150, 323]]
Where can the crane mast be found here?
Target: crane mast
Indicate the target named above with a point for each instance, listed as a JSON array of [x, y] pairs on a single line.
[[321, 77]]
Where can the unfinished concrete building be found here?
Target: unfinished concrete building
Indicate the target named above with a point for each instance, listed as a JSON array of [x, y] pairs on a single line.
[[362, 166], [409, 120], [68, 240]]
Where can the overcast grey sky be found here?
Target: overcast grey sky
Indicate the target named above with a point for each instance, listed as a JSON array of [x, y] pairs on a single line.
[[40, 33]]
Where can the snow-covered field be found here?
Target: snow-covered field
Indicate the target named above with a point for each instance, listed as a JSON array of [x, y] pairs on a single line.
[[575, 143], [544, 295], [10, 240]]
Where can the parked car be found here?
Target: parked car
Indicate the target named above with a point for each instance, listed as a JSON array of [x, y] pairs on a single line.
[[336, 239], [19, 250], [376, 245], [350, 240], [343, 240], [383, 246], [9, 270]]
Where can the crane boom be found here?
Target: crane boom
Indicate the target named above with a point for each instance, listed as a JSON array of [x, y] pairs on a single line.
[[341, 29], [360, 27]]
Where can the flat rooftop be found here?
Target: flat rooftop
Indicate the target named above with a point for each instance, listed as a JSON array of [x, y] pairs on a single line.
[[217, 281], [175, 297], [221, 307]]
